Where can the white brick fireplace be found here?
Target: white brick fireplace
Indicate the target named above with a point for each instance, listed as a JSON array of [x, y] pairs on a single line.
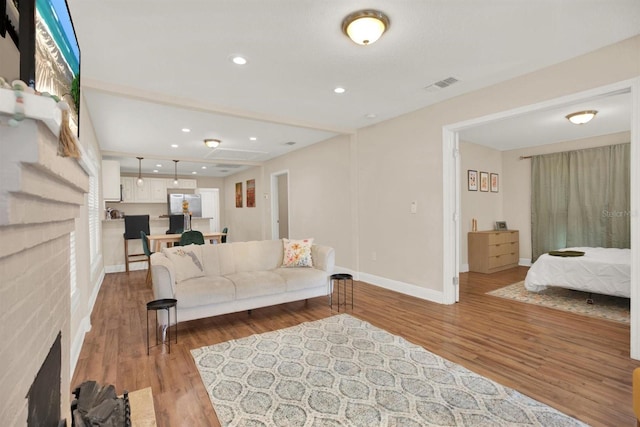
[[40, 198]]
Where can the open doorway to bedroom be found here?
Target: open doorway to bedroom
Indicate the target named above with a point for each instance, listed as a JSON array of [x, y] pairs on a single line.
[[280, 205], [462, 154]]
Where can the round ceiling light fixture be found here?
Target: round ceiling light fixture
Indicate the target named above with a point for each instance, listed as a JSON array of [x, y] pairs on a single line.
[[212, 143], [366, 26], [581, 117]]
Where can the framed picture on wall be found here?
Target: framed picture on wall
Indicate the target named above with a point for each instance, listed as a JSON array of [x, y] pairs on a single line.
[[494, 182], [484, 181], [238, 194], [251, 193], [472, 180]]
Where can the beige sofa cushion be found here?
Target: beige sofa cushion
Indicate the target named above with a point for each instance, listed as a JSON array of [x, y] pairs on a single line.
[[257, 255], [204, 291], [302, 277], [250, 284]]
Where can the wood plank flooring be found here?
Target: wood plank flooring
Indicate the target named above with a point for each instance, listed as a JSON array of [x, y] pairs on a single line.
[[577, 364]]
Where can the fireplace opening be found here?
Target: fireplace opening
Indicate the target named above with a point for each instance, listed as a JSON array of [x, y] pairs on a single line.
[[44, 394]]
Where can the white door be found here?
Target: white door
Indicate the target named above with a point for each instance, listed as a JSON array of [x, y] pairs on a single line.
[[210, 200]]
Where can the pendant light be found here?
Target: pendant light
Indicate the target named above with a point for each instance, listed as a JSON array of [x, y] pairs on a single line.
[[175, 172], [139, 182]]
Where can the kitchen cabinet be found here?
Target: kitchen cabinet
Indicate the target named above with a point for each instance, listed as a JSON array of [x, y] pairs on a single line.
[[183, 183], [142, 193], [158, 190], [111, 180], [127, 189]]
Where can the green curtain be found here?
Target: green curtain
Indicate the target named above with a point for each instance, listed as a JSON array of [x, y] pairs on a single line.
[[580, 198]]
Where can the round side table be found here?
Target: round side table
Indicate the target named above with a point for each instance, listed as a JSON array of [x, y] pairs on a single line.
[[163, 304], [339, 280]]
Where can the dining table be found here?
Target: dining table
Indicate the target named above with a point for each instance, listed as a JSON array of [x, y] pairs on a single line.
[[156, 240]]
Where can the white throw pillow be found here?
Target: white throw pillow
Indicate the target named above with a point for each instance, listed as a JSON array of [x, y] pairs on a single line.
[[186, 260], [297, 253]]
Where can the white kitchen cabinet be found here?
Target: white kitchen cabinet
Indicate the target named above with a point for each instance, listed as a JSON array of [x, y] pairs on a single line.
[[183, 183], [158, 189], [142, 193], [127, 189], [111, 180]]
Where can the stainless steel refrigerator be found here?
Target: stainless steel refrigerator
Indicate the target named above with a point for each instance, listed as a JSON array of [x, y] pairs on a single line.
[[175, 204]]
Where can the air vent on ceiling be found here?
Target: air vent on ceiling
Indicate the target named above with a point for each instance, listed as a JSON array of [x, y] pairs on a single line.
[[444, 83], [228, 166]]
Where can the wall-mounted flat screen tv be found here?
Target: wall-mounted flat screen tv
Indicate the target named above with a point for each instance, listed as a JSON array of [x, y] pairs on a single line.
[[49, 51]]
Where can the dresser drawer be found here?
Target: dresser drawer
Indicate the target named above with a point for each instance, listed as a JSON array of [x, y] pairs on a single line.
[[503, 248], [503, 237]]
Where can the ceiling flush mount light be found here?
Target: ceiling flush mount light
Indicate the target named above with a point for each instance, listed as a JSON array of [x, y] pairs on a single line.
[[139, 182], [212, 143], [238, 60], [186, 130], [339, 90], [364, 27], [175, 172], [581, 117]]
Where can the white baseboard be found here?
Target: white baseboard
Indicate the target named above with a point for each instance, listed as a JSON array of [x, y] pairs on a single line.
[[525, 262], [464, 268], [85, 324], [403, 288]]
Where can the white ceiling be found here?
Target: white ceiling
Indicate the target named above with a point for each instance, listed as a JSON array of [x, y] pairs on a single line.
[[150, 69]]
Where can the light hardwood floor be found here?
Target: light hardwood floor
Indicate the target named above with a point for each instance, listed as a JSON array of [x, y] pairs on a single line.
[[576, 364]]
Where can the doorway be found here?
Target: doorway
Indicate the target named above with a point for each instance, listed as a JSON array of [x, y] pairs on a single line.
[[280, 205], [452, 191]]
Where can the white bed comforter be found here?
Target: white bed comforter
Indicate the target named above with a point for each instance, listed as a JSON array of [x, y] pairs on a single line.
[[601, 270]]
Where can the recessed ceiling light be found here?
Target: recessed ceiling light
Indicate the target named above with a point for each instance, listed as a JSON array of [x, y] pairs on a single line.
[[194, 173], [158, 165], [204, 167], [186, 130], [174, 145], [239, 60], [155, 171], [253, 138], [370, 116], [339, 90]]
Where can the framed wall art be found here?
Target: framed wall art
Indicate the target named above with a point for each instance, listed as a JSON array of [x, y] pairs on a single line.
[[238, 194], [494, 182], [472, 180], [251, 193], [484, 181]]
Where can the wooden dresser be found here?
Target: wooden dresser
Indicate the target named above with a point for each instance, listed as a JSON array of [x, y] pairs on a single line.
[[491, 251]]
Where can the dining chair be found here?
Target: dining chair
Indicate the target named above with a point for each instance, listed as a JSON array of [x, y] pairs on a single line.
[[191, 237], [176, 226], [148, 253], [133, 225], [223, 239]]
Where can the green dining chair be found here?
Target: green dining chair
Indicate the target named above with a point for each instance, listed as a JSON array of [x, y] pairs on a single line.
[[191, 237], [148, 253]]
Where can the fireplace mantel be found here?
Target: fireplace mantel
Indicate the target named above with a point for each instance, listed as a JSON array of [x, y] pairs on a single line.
[[36, 107]]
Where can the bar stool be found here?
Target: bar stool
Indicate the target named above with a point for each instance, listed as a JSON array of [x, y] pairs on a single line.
[[341, 279], [133, 225], [163, 304]]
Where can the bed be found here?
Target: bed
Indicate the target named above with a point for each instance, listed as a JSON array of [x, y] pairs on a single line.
[[600, 270]]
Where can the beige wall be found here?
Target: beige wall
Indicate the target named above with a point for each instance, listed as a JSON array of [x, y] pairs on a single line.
[[400, 160], [485, 207]]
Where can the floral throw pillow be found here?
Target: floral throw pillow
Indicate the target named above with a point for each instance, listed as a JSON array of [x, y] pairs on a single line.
[[297, 253]]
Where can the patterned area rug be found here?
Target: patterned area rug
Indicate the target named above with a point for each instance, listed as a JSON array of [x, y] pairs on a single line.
[[341, 371], [604, 306]]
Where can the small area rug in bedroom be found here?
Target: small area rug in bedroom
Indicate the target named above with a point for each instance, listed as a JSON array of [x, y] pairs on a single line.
[[342, 371], [604, 306]]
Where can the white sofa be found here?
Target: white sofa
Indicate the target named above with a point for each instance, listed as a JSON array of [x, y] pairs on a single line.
[[209, 280]]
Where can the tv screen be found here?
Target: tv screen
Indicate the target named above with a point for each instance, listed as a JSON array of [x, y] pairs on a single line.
[[49, 52]]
